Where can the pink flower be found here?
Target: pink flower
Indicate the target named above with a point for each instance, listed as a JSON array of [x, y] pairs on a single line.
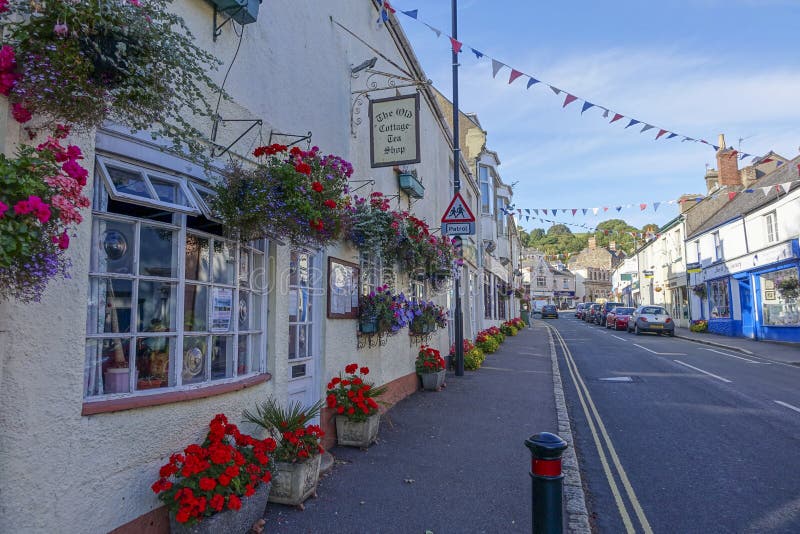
[[75, 171], [3, 209], [8, 59], [7, 82], [61, 29], [20, 113], [74, 152], [3, 6], [62, 240], [137, 3]]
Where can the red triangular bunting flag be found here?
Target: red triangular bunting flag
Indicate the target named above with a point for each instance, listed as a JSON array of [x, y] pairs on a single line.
[[617, 117], [569, 100], [605, 208], [387, 6], [574, 211], [731, 195], [514, 75], [456, 45], [642, 207], [660, 133]]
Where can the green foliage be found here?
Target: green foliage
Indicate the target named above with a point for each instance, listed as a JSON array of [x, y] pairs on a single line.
[[287, 425], [699, 326], [508, 330], [473, 359], [559, 229], [488, 345], [134, 63]]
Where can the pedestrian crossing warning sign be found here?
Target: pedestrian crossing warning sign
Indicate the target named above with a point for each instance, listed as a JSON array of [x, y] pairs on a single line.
[[458, 211]]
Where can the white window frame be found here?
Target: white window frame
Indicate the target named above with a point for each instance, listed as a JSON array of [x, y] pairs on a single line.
[[146, 174], [487, 197], [718, 252], [771, 227]]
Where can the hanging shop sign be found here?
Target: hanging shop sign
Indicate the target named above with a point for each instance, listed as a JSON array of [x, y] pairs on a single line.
[[695, 267], [394, 130], [648, 274]]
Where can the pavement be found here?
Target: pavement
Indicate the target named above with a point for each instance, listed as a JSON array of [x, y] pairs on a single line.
[[773, 350], [452, 461]]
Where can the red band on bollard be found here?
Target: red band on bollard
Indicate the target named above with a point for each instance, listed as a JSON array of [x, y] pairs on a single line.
[[546, 468]]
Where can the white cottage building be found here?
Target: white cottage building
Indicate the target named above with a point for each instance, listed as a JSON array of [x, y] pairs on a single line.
[[222, 324]]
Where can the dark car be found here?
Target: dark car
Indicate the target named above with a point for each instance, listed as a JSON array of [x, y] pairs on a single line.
[[549, 311], [579, 310], [585, 310], [651, 319], [618, 318], [591, 312], [604, 309]]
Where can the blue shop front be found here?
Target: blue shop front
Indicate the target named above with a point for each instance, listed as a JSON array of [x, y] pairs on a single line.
[[756, 295]]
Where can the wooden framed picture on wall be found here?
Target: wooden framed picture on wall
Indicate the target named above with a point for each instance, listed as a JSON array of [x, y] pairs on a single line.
[[343, 286]]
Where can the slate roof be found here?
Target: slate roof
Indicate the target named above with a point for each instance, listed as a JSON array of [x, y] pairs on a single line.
[[745, 203]]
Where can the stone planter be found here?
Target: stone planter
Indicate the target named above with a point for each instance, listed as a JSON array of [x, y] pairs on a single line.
[[432, 381], [293, 483], [230, 521], [357, 433]]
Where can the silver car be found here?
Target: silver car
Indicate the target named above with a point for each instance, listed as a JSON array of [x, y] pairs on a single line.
[[651, 319]]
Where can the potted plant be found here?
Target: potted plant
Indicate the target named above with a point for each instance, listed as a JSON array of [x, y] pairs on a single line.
[[221, 485], [130, 61], [789, 288], [298, 452], [357, 415], [430, 367], [295, 194], [375, 312], [373, 228], [41, 195], [424, 317], [699, 290], [699, 325], [486, 342]]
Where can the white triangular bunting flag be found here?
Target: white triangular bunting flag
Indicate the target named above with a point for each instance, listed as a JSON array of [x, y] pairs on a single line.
[[766, 189], [786, 186], [496, 66], [595, 210], [437, 31]]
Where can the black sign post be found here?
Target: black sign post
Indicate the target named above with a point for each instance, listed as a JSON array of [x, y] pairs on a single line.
[[458, 320]]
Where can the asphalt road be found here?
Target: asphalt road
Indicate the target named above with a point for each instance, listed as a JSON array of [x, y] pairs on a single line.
[[678, 437]]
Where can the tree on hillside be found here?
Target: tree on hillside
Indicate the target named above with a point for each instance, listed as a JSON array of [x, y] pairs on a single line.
[[559, 229], [618, 231], [650, 228]]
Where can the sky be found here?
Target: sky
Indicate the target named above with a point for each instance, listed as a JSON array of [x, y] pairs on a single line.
[[695, 67]]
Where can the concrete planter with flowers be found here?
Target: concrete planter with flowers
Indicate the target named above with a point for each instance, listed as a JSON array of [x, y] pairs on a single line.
[[431, 368], [353, 399], [298, 453]]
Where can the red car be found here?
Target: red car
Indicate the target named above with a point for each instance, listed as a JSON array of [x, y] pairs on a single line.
[[618, 318]]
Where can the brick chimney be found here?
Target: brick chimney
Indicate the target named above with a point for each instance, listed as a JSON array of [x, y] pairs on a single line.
[[592, 243], [727, 165]]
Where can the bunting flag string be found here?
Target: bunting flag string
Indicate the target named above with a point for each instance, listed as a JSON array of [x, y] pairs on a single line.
[[781, 188], [570, 97]]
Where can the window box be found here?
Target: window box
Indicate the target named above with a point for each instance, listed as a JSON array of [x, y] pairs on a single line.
[[242, 11], [411, 185]]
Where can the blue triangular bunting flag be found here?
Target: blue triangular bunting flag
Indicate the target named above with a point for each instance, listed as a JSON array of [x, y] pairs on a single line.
[[531, 82], [586, 105], [584, 210], [412, 13], [670, 136], [656, 205], [633, 121], [477, 53]]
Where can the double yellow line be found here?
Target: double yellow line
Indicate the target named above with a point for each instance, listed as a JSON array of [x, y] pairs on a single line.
[[596, 422]]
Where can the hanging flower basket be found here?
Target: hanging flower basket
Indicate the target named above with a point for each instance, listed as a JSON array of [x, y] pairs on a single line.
[[40, 201], [700, 290], [295, 194], [131, 61]]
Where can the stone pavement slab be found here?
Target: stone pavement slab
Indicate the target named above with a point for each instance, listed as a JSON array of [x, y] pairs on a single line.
[[452, 461]]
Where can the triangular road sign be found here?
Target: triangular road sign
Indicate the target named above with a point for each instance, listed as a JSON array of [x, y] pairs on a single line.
[[458, 211]]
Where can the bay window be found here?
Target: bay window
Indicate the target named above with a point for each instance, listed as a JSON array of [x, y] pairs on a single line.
[[173, 301]]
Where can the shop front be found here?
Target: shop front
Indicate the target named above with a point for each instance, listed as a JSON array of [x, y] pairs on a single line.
[[757, 295]]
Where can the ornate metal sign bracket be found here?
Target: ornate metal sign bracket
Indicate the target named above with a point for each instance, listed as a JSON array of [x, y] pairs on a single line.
[[377, 80], [298, 138]]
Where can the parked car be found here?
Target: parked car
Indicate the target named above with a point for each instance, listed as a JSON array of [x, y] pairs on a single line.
[[549, 311], [604, 309], [618, 318], [579, 310], [651, 319], [590, 313]]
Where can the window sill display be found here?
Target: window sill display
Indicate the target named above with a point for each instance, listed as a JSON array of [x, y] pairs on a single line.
[[294, 194], [353, 399], [130, 61], [41, 193], [220, 477], [298, 452]]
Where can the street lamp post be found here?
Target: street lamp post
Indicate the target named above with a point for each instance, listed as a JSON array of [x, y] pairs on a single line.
[[459, 317]]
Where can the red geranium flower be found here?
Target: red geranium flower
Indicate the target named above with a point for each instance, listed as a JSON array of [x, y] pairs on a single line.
[[316, 186]]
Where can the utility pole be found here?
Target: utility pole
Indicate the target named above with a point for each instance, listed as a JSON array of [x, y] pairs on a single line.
[[459, 316]]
